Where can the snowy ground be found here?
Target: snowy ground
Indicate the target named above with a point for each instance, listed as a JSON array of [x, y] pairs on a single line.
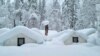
[[51, 50], [54, 48]]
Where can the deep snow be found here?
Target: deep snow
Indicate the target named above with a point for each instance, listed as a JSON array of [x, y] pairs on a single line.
[[51, 50], [54, 47]]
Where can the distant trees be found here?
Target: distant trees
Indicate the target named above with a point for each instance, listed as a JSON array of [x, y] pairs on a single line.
[[74, 14], [55, 16], [42, 11], [87, 15], [17, 12], [69, 13], [78, 14]]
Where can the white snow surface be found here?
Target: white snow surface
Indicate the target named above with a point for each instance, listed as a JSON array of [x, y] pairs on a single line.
[[51, 50], [30, 45], [54, 42], [21, 30]]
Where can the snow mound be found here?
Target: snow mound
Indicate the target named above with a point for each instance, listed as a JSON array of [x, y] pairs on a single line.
[[54, 42], [71, 50], [22, 30]]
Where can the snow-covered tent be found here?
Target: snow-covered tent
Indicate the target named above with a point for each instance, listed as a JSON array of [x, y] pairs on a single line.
[[20, 35], [71, 36], [93, 38], [87, 31], [36, 29], [3, 30]]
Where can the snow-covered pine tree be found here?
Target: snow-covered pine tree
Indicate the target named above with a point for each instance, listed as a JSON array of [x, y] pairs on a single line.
[[42, 11], [4, 13], [88, 15], [55, 16], [69, 14], [33, 4], [23, 10], [11, 16], [2, 2]]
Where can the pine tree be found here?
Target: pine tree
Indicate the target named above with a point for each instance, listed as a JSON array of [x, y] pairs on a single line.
[[88, 15], [42, 11], [69, 14], [55, 16]]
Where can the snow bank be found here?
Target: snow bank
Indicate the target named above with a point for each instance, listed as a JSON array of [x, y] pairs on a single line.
[[24, 30], [87, 32], [54, 42], [71, 50]]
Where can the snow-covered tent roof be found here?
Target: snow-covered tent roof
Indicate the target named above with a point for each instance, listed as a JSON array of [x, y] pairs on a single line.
[[24, 30], [37, 30], [70, 33], [88, 31], [3, 30]]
